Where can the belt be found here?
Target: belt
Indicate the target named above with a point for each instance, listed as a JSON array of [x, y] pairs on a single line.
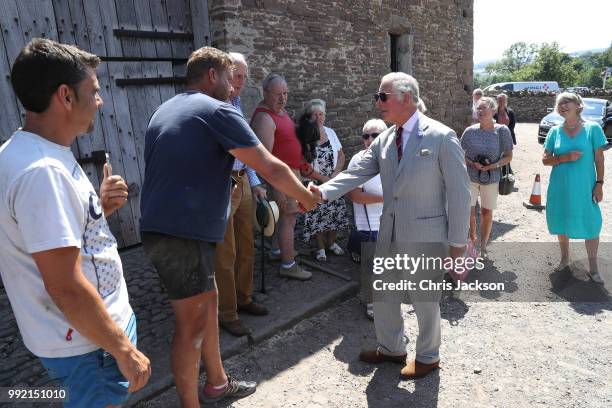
[[238, 173]]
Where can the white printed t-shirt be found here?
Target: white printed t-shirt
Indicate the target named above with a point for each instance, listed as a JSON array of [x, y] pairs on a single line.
[[47, 202], [372, 186]]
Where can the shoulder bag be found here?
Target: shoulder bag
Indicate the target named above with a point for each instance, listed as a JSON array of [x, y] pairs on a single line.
[[506, 180], [356, 237]]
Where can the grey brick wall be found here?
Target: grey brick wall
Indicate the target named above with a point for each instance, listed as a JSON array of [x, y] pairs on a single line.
[[339, 50]]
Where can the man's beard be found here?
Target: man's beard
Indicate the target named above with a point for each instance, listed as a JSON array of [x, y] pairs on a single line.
[[221, 94]]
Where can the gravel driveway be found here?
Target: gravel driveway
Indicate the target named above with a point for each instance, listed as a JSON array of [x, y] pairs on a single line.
[[494, 353]]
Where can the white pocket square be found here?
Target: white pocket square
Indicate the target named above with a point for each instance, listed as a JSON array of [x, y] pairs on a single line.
[[424, 152]]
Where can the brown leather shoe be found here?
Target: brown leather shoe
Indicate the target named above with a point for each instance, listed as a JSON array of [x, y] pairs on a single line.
[[235, 328], [376, 357], [414, 369], [256, 309]]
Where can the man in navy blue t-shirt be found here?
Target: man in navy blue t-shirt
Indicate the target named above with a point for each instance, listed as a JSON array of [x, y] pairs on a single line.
[[190, 146]]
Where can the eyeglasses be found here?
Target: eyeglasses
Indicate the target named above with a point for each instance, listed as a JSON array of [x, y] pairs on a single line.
[[383, 96], [366, 136]]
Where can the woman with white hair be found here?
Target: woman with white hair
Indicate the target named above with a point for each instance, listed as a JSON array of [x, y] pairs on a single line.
[[476, 95], [574, 149], [505, 115], [367, 200], [327, 162], [488, 147]]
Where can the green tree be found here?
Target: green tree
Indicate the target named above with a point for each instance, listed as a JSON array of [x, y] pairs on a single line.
[[514, 58], [546, 62], [550, 64]]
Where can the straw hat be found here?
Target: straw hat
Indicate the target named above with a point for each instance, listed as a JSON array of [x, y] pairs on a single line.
[[265, 216]]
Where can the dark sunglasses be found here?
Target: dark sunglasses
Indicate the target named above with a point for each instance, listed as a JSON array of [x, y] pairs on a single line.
[[366, 136], [383, 96]]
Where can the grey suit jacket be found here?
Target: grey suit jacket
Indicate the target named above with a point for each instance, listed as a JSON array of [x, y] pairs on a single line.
[[426, 196]]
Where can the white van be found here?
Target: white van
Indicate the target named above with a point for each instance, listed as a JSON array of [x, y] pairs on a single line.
[[535, 86]]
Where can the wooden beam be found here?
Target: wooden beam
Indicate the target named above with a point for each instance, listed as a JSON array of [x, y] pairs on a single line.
[[165, 35], [145, 59], [149, 81]]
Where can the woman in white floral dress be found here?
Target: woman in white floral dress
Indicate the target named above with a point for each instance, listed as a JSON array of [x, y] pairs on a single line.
[[327, 162]]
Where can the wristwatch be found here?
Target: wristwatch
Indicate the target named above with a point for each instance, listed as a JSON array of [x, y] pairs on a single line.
[[497, 165], [599, 182]]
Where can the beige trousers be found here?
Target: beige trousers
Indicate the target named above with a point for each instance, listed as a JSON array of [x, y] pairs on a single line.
[[235, 255]]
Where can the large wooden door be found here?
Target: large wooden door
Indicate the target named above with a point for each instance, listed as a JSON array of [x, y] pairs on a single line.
[[144, 45]]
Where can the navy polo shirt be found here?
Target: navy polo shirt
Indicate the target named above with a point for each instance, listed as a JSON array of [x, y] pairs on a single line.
[[186, 190]]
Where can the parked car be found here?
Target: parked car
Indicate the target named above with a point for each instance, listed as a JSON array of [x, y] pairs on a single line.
[[607, 126], [578, 89], [533, 86], [594, 109]]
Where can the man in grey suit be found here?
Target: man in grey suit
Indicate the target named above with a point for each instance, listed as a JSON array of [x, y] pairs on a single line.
[[426, 209]]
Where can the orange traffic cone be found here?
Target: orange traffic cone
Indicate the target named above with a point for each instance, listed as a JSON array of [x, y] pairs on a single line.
[[535, 200]]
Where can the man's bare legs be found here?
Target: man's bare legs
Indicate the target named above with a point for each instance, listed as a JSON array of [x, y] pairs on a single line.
[[286, 227], [196, 336]]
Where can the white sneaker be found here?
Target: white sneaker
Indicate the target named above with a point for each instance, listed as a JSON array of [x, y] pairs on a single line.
[[320, 255], [596, 277], [335, 248], [295, 272]]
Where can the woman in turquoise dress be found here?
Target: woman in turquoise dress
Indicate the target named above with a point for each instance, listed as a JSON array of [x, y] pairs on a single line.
[[574, 150]]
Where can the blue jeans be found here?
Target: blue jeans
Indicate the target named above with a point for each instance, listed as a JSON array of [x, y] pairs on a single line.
[[92, 379]]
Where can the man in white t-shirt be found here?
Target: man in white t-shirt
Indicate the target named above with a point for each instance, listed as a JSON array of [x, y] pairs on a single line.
[[59, 261]]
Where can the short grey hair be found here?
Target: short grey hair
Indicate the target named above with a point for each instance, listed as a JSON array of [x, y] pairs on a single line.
[[271, 78], [238, 58], [421, 106], [569, 96], [377, 124], [490, 102], [402, 82], [313, 105], [477, 91]]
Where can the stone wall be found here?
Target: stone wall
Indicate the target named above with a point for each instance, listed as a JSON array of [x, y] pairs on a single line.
[[338, 51], [533, 107]]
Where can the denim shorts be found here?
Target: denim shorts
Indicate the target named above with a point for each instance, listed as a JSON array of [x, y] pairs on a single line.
[[92, 379], [186, 267]]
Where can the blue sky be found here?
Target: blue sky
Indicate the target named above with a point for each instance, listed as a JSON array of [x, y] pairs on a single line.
[[576, 25]]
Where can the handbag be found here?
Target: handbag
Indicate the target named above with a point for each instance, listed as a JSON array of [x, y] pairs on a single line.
[[470, 253], [506, 180], [357, 237]]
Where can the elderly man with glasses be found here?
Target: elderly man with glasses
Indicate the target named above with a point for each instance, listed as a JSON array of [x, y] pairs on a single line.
[[426, 207], [234, 256]]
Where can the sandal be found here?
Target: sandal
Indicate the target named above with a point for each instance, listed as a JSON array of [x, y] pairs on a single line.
[[320, 255]]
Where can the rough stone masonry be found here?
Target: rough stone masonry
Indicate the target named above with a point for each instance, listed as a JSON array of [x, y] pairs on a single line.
[[339, 50]]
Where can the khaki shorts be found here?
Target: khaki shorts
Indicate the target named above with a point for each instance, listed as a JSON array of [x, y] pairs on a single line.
[[488, 194]]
